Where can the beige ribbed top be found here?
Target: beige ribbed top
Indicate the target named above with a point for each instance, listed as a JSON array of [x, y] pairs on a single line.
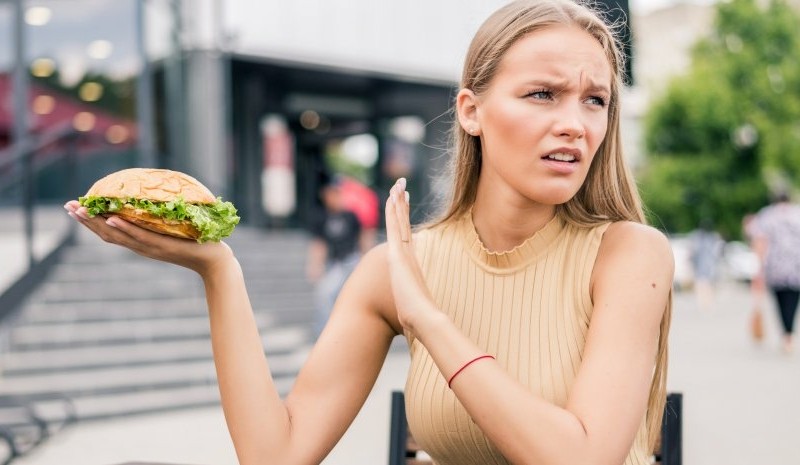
[[530, 307]]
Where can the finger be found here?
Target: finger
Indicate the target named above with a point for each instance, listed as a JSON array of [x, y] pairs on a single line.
[[105, 228], [402, 211], [144, 241], [72, 205], [108, 229], [392, 233], [98, 223]]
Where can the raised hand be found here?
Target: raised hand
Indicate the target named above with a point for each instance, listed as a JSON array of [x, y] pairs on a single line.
[[411, 295], [183, 252]]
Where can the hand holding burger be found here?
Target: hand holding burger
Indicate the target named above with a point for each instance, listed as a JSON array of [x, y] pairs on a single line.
[[165, 201]]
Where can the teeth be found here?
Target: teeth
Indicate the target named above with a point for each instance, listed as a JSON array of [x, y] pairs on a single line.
[[561, 157]]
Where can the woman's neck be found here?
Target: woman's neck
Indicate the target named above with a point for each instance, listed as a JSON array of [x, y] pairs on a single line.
[[504, 223]]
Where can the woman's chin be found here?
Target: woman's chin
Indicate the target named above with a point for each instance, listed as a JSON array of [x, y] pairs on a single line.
[[553, 197]]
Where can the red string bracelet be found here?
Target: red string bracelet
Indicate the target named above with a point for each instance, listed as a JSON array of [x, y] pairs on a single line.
[[450, 381]]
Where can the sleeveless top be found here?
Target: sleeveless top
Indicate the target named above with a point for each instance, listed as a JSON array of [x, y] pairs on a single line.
[[529, 307]]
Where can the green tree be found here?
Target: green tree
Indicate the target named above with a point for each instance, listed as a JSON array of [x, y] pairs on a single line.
[[718, 133]]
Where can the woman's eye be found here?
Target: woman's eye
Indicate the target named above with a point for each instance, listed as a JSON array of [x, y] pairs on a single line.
[[540, 95], [599, 101]]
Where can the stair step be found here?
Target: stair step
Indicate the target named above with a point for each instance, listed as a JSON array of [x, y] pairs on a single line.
[[115, 332], [140, 402], [154, 289], [141, 272], [129, 310], [62, 312], [76, 312], [126, 379], [275, 341], [115, 291], [130, 270]]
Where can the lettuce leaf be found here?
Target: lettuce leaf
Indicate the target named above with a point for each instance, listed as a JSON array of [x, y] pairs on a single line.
[[214, 221]]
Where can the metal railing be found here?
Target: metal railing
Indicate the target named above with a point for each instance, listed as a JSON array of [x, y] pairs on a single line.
[[19, 169]]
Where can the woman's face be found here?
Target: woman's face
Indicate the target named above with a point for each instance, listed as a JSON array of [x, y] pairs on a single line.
[[544, 114]]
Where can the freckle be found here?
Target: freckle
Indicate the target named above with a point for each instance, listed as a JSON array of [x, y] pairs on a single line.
[[654, 285]]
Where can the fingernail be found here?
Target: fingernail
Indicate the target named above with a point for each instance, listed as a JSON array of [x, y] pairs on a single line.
[[72, 215], [408, 196], [111, 223], [402, 183]]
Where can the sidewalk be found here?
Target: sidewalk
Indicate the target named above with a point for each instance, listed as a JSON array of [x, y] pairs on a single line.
[[741, 400]]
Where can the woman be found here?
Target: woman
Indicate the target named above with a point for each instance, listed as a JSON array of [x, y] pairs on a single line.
[[536, 308], [776, 240]]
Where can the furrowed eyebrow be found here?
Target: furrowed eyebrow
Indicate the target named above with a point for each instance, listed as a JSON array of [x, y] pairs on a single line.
[[561, 84], [598, 88], [593, 86], [550, 83]]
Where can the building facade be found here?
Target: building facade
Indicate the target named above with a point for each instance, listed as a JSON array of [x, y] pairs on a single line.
[[261, 100]]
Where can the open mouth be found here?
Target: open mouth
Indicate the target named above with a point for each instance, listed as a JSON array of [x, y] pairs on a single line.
[[562, 157]]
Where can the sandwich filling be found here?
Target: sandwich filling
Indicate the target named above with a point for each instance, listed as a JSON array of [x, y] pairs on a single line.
[[213, 221]]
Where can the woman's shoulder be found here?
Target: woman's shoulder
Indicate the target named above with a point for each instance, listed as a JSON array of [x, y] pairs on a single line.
[[637, 232], [636, 229], [636, 240], [633, 253]]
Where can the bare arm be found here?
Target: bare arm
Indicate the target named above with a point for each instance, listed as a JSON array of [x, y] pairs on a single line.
[[760, 246], [332, 385], [315, 263], [632, 280]]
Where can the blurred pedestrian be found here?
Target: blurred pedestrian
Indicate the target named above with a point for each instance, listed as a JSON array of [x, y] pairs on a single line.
[[334, 250], [705, 250], [536, 308], [363, 201], [776, 236]]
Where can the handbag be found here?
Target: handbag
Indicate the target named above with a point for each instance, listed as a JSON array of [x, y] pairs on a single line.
[[757, 325]]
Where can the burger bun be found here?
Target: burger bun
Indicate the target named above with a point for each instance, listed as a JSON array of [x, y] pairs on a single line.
[[157, 185]]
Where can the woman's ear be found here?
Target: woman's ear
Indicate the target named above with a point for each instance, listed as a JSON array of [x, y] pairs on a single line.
[[467, 109]]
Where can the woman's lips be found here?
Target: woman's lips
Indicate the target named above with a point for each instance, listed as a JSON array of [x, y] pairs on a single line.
[[562, 167]]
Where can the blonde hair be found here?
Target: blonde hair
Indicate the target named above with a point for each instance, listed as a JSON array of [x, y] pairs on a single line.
[[608, 193]]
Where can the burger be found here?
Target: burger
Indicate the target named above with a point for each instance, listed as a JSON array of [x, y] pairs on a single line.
[[165, 201]]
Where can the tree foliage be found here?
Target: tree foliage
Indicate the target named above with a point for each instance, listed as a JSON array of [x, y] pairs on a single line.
[[723, 133]]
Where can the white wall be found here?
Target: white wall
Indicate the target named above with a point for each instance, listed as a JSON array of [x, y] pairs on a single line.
[[419, 38]]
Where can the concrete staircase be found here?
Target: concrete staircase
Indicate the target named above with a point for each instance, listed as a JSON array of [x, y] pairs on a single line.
[[117, 334]]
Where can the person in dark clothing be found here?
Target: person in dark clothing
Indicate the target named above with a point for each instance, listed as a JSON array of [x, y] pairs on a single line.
[[333, 253]]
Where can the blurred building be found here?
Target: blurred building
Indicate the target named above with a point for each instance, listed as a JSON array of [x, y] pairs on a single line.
[[260, 100], [661, 50]]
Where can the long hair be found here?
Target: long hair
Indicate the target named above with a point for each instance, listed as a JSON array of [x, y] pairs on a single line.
[[609, 192]]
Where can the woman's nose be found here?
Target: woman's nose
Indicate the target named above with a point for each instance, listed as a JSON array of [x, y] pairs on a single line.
[[570, 123]]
